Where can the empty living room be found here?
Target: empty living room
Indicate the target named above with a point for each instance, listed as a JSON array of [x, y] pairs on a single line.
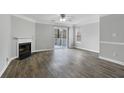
[[61, 45]]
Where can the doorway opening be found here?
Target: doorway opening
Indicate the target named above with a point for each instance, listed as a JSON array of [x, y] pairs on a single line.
[[60, 37]]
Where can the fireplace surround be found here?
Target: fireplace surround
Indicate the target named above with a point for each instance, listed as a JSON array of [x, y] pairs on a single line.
[[24, 47]]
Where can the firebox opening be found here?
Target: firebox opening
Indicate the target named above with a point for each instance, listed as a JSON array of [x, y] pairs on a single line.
[[24, 50]]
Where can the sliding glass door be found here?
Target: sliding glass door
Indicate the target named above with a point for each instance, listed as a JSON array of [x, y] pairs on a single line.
[[61, 37]]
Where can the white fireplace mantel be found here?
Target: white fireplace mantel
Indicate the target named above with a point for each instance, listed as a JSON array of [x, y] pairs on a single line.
[[22, 40]]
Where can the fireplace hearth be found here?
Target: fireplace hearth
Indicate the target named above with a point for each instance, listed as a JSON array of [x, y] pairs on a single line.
[[24, 50]]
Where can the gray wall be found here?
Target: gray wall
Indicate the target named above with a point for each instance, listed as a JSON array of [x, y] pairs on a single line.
[[112, 37], [89, 37], [21, 28], [44, 37], [5, 30], [71, 37]]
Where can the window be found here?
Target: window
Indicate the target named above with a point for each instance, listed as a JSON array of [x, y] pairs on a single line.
[[78, 36]]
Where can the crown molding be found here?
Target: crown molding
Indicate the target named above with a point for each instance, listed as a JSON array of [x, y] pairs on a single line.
[[44, 22], [103, 15], [24, 17]]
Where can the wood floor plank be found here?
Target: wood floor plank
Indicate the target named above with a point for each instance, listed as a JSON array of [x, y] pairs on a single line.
[[63, 63]]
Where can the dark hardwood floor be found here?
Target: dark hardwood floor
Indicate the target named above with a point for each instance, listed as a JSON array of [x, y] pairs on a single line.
[[63, 63]]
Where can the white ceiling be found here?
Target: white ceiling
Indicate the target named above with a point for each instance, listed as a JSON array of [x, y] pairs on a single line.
[[54, 18]]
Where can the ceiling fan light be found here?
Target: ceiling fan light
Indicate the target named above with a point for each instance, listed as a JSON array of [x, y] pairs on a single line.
[[62, 19]]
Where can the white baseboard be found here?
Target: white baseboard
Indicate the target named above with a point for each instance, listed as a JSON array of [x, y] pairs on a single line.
[[5, 67], [71, 47], [42, 50], [87, 49], [112, 60]]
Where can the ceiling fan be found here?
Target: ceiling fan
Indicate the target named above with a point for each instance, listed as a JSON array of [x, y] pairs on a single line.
[[64, 17]]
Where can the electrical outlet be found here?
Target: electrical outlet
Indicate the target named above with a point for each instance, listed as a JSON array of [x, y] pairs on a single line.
[[114, 54]]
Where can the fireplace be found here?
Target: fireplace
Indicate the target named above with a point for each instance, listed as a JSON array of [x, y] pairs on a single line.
[[24, 50]]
